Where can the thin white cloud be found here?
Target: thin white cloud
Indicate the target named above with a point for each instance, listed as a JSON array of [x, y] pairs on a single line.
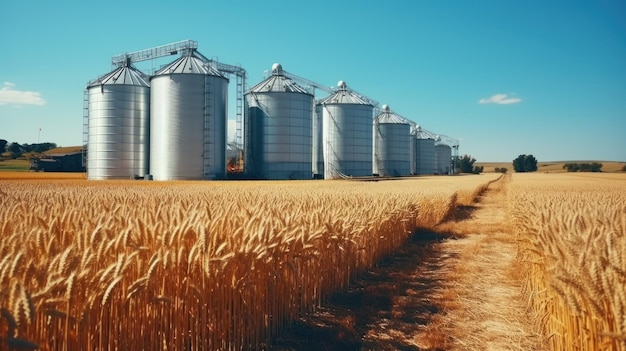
[[500, 99], [8, 95]]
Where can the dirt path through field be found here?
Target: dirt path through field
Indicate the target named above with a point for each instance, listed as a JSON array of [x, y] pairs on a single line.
[[452, 289]]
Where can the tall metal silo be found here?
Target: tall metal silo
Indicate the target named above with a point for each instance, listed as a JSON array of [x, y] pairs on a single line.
[[278, 129], [424, 151], [317, 142], [118, 124], [443, 158], [347, 134], [392, 142], [188, 120]]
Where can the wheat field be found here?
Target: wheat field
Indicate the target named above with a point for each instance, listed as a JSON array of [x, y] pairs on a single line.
[[129, 265], [571, 231]]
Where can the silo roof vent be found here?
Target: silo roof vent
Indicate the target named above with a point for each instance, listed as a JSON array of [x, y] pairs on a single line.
[[277, 68], [278, 83], [388, 116], [344, 96]]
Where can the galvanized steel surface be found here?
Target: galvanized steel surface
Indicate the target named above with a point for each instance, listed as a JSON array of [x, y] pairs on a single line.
[[347, 140], [278, 84], [188, 122], [189, 64], [125, 75], [118, 125], [443, 158], [425, 153], [344, 96], [317, 142], [392, 142], [279, 137]]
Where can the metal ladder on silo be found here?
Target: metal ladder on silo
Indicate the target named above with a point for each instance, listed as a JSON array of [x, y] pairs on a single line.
[[208, 149], [85, 127], [239, 111]]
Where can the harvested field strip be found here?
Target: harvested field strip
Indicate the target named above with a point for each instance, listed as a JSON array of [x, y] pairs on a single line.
[[451, 288]]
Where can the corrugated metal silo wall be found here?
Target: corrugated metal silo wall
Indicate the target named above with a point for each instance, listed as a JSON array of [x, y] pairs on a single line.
[[119, 131], [443, 158], [178, 128], [413, 155], [392, 149], [280, 125], [215, 128], [253, 136], [347, 140], [425, 156], [318, 149]]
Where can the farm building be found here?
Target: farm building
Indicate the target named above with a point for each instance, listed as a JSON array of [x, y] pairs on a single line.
[[59, 160]]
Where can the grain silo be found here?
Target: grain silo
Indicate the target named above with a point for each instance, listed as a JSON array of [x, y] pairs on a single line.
[[424, 151], [278, 129], [188, 106], [443, 157], [347, 134], [118, 124], [392, 142]]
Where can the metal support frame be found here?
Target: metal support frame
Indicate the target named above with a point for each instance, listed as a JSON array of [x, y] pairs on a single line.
[[241, 78], [183, 47], [153, 53], [85, 127], [308, 85]]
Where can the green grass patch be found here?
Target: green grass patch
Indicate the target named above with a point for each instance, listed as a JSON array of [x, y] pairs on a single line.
[[14, 165]]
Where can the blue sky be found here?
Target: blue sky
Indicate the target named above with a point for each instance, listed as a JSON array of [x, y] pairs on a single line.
[[506, 78]]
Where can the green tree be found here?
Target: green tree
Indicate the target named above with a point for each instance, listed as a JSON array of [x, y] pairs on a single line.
[[596, 167], [3, 145], [43, 147], [571, 167], [465, 164], [583, 167], [525, 163], [15, 149]]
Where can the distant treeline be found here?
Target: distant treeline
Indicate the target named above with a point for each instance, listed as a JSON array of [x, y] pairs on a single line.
[[583, 167], [16, 150]]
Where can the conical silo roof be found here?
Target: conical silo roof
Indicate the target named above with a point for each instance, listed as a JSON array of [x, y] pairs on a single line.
[[419, 133], [390, 117], [344, 96], [125, 75], [189, 64], [278, 83]]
